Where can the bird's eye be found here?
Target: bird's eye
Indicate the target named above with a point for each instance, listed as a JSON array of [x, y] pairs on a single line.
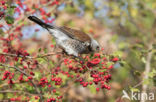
[[97, 47]]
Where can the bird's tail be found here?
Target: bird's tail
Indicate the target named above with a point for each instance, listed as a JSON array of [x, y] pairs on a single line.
[[40, 22]]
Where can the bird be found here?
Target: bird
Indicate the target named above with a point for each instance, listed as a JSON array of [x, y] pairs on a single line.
[[72, 41]]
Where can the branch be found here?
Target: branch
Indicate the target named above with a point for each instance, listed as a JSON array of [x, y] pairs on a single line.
[[15, 69], [29, 57], [147, 70], [34, 85], [140, 83], [17, 91], [45, 55]]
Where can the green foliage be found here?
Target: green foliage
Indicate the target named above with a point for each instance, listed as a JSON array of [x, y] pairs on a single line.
[[92, 89], [70, 9], [154, 80], [9, 19], [152, 73], [45, 50], [9, 15], [1, 96], [39, 50], [134, 89]]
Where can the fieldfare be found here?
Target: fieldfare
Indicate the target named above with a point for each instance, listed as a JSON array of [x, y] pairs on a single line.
[[72, 41]]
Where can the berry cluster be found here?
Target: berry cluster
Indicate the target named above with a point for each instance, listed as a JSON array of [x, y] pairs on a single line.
[[7, 74], [54, 99], [98, 66], [15, 99], [57, 81], [43, 82]]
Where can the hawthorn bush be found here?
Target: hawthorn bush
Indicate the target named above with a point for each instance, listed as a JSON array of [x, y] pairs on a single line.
[[45, 75]]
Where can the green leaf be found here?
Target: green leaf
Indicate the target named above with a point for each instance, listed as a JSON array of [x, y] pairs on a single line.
[[137, 73], [92, 89], [37, 75], [1, 96], [10, 11], [118, 53], [152, 73], [39, 50], [134, 89], [123, 45], [30, 89], [51, 64], [154, 80], [13, 6], [114, 38], [42, 60], [143, 59], [146, 81], [9, 20], [45, 50], [138, 45], [10, 95], [70, 9], [122, 63], [57, 93], [154, 46], [1, 66]]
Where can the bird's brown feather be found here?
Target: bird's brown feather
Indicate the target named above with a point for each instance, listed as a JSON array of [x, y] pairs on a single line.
[[76, 34]]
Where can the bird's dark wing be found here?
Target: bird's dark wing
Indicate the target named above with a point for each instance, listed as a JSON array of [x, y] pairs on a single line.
[[75, 34]]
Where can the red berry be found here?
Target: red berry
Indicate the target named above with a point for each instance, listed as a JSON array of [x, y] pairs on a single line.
[[115, 59], [54, 90], [97, 89], [90, 83], [110, 67], [3, 2], [1, 25], [32, 73], [36, 97], [25, 67], [30, 78]]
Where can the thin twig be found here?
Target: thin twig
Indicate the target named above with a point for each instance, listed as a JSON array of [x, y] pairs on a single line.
[[138, 84], [17, 91], [15, 68], [29, 57], [45, 55]]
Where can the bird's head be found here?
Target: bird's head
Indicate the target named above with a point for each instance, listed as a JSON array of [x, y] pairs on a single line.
[[95, 45]]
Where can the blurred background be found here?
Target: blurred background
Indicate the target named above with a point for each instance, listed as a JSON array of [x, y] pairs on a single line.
[[124, 28]]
